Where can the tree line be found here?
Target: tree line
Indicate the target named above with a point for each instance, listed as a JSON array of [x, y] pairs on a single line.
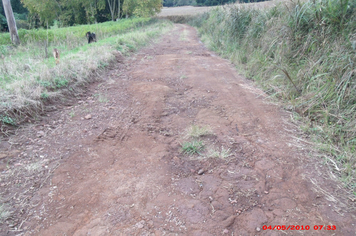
[[42, 13], [177, 3]]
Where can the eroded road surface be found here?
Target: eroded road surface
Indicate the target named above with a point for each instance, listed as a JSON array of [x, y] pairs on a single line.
[[121, 170]]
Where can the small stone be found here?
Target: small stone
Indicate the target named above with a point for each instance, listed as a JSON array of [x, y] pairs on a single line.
[[258, 229], [40, 134], [87, 117], [226, 231], [140, 224], [201, 171]]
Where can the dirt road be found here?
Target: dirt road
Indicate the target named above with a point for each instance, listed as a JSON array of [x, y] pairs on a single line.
[[118, 168]]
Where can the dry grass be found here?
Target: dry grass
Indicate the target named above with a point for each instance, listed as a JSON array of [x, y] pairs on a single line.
[[182, 11], [191, 10], [34, 80], [196, 131], [223, 153]]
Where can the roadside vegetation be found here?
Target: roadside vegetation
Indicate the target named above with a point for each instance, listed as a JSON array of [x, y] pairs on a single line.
[[30, 78], [178, 3], [76, 34], [304, 53]]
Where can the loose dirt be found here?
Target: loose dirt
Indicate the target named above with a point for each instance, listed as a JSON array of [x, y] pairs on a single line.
[[112, 163]]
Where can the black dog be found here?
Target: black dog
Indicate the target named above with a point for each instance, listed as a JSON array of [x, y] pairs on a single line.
[[91, 37]]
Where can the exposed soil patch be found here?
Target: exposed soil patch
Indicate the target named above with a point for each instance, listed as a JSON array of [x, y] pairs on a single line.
[[112, 163]]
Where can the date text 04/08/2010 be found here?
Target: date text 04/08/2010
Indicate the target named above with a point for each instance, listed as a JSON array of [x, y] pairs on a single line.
[[299, 227]]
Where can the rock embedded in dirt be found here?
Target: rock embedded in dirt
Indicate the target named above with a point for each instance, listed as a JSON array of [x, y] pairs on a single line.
[[140, 224], [40, 134], [87, 117], [201, 171], [3, 155]]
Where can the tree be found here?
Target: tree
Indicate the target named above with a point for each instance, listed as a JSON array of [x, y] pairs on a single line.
[[11, 22], [90, 7], [119, 9], [142, 8], [168, 3], [18, 7], [68, 12], [47, 10], [113, 7]]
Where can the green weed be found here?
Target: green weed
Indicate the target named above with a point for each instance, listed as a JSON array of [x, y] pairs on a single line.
[[101, 98], [192, 147], [7, 120], [60, 83], [44, 95], [72, 114], [183, 77]]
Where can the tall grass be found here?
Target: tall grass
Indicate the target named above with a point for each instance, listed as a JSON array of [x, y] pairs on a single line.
[[28, 79], [304, 53]]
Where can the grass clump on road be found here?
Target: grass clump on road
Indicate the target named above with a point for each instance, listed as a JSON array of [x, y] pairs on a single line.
[[192, 147], [199, 140], [193, 134], [303, 53], [216, 153], [196, 131]]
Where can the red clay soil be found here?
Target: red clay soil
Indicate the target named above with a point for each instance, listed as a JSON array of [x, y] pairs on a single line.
[[112, 164]]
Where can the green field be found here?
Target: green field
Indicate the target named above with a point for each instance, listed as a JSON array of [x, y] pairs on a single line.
[[74, 33]]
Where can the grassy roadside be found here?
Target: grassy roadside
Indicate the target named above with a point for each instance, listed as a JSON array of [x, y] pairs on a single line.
[[75, 34], [304, 53], [28, 79]]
